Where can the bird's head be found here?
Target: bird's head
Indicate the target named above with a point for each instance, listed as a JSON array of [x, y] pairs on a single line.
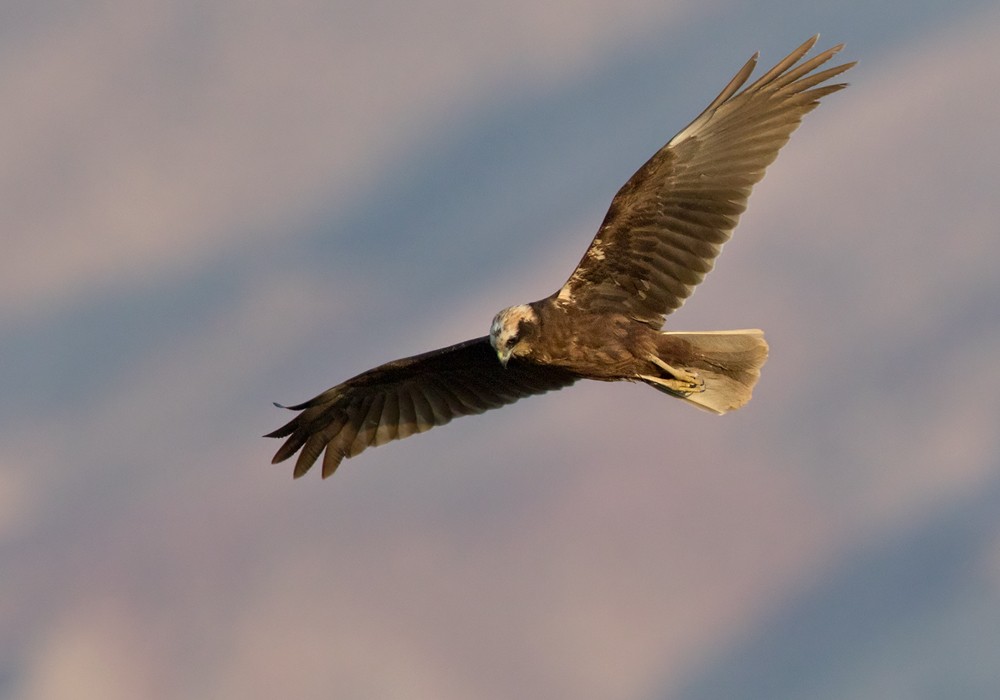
[[512, 330]]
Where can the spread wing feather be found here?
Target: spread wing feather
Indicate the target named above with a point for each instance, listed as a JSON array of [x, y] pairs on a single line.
[[405, 397], [668, 223]]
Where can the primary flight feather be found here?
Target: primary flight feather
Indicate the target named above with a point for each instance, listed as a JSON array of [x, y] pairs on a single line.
[[659, 239]]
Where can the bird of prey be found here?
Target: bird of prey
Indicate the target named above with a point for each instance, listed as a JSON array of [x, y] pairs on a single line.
[[659, 239]]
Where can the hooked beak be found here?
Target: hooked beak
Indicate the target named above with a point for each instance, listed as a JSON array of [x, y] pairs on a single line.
[[504, 356]]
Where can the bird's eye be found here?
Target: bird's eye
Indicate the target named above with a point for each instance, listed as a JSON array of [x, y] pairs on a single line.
[[512, 341]]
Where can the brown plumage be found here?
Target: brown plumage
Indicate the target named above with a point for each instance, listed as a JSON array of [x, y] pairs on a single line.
[[661, 235]]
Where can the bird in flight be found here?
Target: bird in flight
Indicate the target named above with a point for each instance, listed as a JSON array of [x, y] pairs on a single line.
[[659, 239]]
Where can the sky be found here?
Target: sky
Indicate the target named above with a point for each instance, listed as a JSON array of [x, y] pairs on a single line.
[[212, 206]]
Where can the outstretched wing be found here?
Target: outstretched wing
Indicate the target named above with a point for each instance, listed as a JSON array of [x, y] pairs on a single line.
[[668, 223], [408, 396]]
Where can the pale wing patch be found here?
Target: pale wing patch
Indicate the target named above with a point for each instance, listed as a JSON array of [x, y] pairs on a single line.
[[594, 254]]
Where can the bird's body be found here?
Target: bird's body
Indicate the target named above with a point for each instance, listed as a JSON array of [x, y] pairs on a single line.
[[614, 347], [659, 239]]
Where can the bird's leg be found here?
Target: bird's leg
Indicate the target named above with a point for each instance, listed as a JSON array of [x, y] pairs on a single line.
[[681, 380]]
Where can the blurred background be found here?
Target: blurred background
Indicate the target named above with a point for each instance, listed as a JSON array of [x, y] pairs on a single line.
[[208, 206]]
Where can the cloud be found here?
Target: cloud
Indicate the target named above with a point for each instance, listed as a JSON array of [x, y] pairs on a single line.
[[587, 544], [144, 137], [881, 223]]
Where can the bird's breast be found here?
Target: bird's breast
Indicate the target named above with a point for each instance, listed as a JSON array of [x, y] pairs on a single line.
[[593, 345]]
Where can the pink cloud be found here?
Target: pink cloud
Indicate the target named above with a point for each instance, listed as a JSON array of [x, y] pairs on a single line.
[[597, 564], [143, 140]]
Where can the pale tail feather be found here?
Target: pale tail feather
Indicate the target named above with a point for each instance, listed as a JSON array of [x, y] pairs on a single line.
[[728, 362]]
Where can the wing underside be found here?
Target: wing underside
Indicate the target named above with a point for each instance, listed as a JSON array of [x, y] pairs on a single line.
[[406, 397], [668, 223]]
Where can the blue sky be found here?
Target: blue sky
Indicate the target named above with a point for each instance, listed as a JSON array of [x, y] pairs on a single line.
[[210, 206]]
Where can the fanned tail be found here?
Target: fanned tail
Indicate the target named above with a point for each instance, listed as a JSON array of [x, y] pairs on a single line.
[[726, 365]]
